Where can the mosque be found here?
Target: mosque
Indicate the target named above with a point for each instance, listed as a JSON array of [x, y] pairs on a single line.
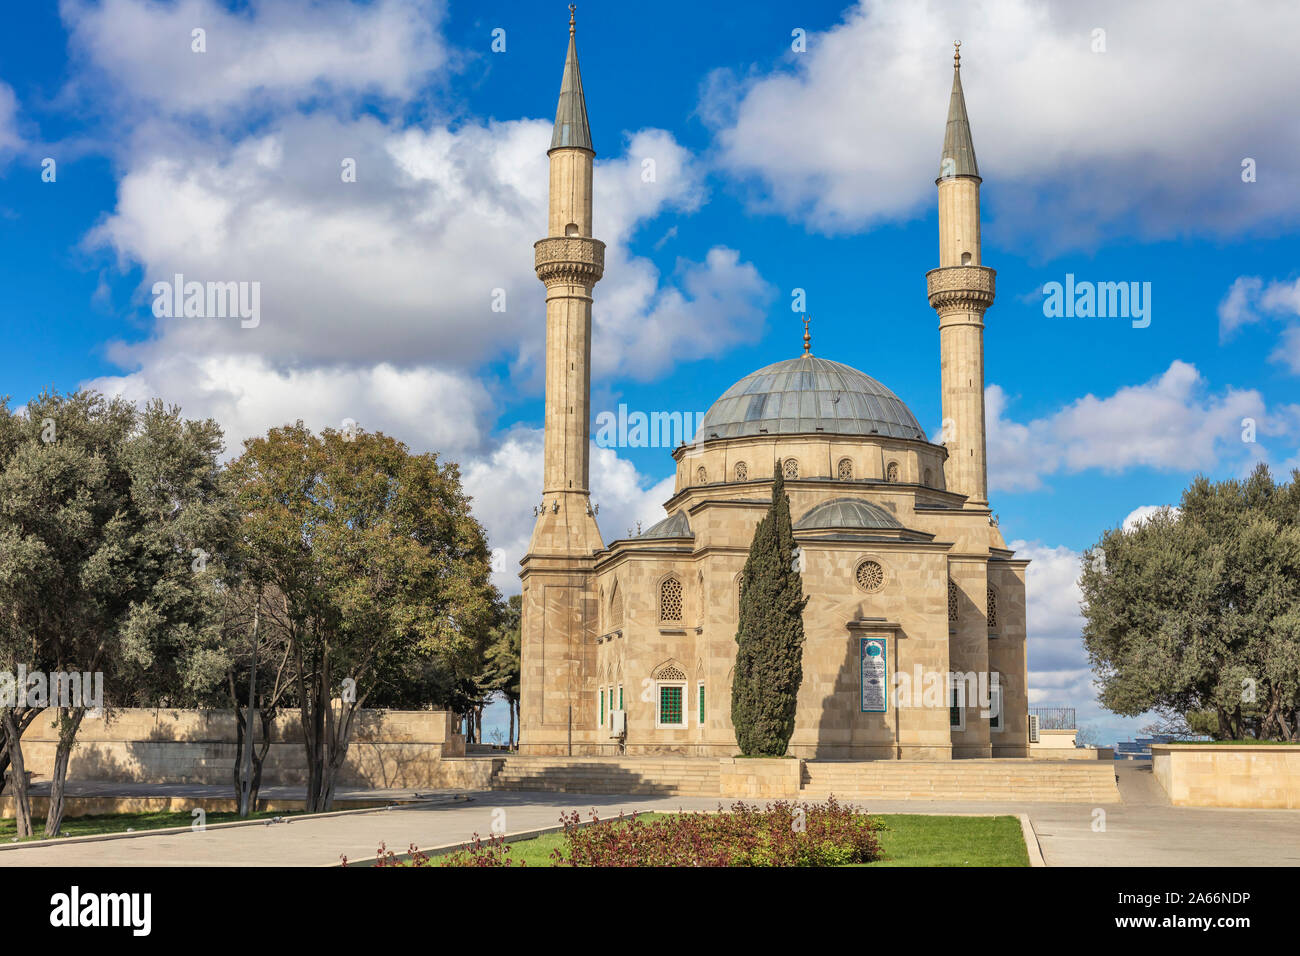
[[629, 647]]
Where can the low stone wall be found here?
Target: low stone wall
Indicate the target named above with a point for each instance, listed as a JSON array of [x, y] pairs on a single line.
[[760, 777], [1257, 776], [1074, 753], [389, 748]]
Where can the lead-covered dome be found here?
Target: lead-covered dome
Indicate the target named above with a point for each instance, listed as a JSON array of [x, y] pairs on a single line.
[[809, 394]]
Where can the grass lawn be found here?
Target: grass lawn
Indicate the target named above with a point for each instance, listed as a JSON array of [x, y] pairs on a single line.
[[121, 822], [913, 840], [910, 840]]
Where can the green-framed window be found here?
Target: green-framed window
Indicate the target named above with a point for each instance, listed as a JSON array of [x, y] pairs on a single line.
[[611, 706], [670, 704], [601, 694], [701, 697], [620, 696]]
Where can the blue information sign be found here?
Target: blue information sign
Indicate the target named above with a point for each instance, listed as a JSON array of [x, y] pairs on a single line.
[[875, 675]]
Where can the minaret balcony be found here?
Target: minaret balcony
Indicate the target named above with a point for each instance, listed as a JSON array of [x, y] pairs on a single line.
[[960, 287], [569, 259]]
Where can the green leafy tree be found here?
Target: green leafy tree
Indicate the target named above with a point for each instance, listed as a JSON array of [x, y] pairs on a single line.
[[504, 660], [380, 564], [112, 521], [1195, 613], [769, 642]]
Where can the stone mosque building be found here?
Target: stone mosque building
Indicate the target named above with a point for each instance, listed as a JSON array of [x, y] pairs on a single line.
[[628, 647]]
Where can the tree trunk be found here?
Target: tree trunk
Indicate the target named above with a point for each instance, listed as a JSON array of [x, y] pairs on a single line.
[[246, 783], [22, 799], [68, 727]]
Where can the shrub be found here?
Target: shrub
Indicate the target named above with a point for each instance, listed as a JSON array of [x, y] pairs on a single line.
[[781, 834]]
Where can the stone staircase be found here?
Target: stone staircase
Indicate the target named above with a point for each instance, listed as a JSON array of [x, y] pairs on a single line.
[[1038, 781], [659, 776]]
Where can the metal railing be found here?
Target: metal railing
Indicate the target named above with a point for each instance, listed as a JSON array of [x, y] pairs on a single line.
[[1055, 718]]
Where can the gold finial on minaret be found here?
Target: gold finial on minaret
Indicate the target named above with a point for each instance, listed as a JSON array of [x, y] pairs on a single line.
[[572, 10], [956, 53], [807, 337]]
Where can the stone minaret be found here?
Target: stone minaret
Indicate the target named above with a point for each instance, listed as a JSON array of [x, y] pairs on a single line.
[[960, 290], [570, 262], [558, 624]]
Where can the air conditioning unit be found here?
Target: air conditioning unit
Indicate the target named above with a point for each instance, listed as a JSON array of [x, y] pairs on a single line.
[[618, 723], [1033, 728]]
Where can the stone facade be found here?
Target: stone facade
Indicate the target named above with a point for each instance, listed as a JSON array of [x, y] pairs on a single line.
[[628, 648]]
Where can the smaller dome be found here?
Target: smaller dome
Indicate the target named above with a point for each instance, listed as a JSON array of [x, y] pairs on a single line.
[[674, 526], [846, 513]]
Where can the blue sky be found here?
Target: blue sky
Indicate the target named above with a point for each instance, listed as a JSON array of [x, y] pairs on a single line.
[[1112, 156]]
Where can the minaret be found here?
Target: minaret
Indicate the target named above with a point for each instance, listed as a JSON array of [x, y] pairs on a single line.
[[960, 291], [570, 262]]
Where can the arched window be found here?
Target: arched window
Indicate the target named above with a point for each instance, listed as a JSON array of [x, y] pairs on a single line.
[[790, 468], [701, 476], [952, 601], [571, 229], [992, 608], [742, 471], [845, 470], [670, 601], [616, 608], [891, 472]]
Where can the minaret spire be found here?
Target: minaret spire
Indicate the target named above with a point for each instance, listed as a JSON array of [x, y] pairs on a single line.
[[958, 149], [569, 261], [571, 127], [961, 289]]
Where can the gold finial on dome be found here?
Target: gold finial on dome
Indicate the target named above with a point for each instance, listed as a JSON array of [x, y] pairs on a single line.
[[807, 336], [956, 53]]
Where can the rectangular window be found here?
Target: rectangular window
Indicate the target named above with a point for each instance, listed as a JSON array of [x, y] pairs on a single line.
[[601, 694], [995, 709], [620, 696], [956, 706], [701, 695], [611, 706], [670, 705]]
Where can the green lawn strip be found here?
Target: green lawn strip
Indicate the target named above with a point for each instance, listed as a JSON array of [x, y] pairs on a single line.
[[916, 840], [121, 822], [910, 840]]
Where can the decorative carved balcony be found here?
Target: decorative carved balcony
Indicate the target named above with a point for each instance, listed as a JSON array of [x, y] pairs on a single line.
[[570, 259], [960, 287]]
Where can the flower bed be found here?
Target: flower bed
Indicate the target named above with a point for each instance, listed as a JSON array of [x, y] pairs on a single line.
[[780, 834]]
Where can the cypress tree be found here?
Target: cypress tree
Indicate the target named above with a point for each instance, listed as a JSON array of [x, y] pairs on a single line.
[[769, 642]]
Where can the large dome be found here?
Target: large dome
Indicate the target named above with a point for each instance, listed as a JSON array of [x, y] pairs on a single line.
[[808, 394]]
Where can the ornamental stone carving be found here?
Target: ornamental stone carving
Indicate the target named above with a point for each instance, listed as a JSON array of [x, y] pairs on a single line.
[[960, 287], [570, 259]]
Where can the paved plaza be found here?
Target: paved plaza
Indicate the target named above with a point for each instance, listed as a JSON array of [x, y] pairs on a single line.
[[1142, 831]]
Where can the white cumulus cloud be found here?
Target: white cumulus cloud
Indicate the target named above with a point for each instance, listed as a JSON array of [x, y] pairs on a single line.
[[1140, 130], [1174, 422]]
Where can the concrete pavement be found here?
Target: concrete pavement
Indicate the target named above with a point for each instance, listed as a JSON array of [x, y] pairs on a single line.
[[1142, 831]]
